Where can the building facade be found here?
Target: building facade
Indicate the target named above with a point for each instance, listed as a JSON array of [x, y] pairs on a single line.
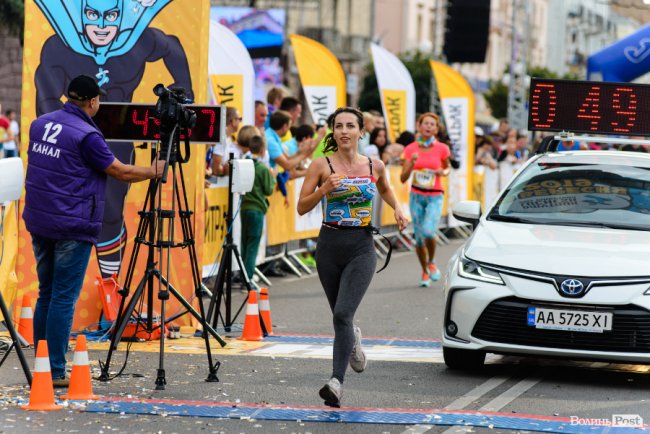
[[556, 34], [344, 26]]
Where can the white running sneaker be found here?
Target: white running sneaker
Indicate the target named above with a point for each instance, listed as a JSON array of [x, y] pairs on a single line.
[[331, 392], [358, 360]]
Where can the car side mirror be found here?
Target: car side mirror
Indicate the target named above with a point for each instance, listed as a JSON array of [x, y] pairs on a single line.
[[468, 211]]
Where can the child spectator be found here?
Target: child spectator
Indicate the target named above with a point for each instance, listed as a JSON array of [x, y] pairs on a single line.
[[254, 205], [305, 142]]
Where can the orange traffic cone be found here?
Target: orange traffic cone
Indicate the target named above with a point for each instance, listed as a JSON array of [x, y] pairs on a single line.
[[265, 310], [252, 330], [80, 383], [41, 396], [26, 320]]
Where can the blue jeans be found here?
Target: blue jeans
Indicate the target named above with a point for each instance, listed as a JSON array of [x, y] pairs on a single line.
[[61, 267]]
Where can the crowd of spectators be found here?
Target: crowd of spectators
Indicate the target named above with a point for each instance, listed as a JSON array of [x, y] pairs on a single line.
[[289, 145]]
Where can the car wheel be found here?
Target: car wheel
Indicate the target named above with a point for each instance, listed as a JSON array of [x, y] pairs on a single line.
[[463, 359]]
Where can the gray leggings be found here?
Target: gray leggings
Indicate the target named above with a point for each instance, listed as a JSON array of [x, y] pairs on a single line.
[[346, 261]]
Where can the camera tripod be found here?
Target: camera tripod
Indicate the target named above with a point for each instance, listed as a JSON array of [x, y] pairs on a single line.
[[154, 222], [16, 341], [222, 291]]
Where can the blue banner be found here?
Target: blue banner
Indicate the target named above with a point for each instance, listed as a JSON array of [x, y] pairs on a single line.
[[624, 60]]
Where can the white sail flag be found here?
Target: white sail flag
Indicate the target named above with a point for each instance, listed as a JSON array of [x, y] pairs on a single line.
[[322, 102], [397, 91], [231, 72]]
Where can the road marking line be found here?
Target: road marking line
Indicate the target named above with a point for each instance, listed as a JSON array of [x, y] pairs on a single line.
[[511, 394], [499, 402], [463, 401], [476, 393]]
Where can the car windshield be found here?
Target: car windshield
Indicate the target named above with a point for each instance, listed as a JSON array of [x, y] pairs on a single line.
[[590, 195]]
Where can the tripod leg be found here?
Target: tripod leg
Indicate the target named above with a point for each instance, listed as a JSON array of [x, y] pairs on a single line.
[[248, 285], [240, 263], [217, 294], [191, 310], [15, 341], [196, 276], [163, 295], [120, 324], [123, 315]]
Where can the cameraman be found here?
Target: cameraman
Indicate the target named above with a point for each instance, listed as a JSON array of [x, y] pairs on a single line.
[[64, 206]]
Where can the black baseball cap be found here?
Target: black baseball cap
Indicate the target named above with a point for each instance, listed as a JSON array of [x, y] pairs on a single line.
[[83, 88]]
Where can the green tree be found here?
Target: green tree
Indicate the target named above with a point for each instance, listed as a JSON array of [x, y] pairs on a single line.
[[497, 99], [12, 17], [369, 97], [497, 94], [418, 66]]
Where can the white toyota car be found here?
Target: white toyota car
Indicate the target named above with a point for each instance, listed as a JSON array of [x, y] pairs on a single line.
[[559, 266]]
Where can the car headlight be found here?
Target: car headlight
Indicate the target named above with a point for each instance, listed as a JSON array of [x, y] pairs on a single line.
[[472, 270]]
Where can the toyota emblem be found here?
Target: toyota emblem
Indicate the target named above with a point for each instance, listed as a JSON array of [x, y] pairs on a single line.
[[572, 287]]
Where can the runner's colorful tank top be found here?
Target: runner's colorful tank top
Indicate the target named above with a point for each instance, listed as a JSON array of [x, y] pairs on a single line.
[[351, 203]]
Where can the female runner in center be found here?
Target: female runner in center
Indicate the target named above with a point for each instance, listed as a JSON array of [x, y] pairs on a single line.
[[345, 254]]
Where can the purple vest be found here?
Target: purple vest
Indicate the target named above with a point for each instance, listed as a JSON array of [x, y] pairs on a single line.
[[64, 197]]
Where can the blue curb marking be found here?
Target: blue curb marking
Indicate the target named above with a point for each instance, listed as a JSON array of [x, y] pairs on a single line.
[[324, 340], [378, 416]]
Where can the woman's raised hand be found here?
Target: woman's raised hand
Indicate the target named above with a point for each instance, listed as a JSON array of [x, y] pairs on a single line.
[[332, 183]]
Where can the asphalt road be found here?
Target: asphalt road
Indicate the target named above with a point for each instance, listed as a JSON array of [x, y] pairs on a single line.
[[284, 375]]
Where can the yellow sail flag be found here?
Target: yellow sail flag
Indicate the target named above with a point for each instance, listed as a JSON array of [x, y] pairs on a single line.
[[394, 103], [457, 100], [321, 76], [227, 90]]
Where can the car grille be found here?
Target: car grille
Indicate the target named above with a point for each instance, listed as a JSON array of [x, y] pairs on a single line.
[[505, 321]]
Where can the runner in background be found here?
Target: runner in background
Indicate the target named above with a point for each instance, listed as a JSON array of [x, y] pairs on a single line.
[[427, 160]]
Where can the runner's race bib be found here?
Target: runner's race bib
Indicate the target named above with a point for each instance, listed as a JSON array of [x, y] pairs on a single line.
[[424, 178]]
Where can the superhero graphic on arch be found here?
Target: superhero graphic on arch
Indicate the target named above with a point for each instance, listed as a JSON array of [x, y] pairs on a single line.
[[112, 41]]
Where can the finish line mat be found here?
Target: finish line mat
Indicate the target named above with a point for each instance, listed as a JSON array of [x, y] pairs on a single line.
[[390, 416]]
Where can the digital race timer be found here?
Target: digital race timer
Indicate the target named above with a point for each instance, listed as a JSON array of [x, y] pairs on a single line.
[[124, 122], [589, 107]]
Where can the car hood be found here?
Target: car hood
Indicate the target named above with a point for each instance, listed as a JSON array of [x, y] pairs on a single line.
[[571, 251]]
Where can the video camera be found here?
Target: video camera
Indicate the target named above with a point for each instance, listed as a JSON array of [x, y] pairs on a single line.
[[171, 110], [174, 117]]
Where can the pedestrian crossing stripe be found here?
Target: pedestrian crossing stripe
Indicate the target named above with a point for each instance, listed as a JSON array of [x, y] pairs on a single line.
[[298, 346], [320, 347]]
